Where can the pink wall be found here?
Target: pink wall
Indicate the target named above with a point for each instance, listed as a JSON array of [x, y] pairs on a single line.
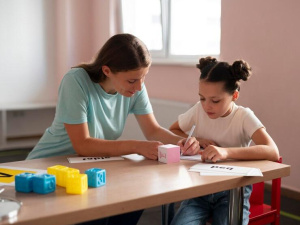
[[264, 33], [267, 34]]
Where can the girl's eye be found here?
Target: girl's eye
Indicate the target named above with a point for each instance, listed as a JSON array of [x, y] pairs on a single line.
[[202, 99], [216, 101], [131, 81]]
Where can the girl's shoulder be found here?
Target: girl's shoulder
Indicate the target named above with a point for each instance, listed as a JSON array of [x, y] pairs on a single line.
[[244, 112]]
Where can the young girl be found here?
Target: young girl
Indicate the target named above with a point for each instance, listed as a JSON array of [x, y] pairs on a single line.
[[224, 131]]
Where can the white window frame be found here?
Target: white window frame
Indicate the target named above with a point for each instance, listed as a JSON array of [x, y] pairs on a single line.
[[163, 56]]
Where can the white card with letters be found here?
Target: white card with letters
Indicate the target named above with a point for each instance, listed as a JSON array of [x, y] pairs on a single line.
[[92, 159], [224, 170]]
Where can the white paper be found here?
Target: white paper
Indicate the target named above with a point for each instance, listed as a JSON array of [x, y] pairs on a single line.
[[224, 170], [92, 159], [191, 157], [13, 171]]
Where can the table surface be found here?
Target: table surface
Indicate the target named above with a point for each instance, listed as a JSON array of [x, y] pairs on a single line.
[[132, 184]]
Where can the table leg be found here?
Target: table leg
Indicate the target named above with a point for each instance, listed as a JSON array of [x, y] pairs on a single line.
[[236, 202], [164, 215]]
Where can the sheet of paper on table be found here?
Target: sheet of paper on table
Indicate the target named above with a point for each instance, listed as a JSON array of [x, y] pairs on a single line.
[[92, 159], [191, 157], [224, 170], [8, 173]]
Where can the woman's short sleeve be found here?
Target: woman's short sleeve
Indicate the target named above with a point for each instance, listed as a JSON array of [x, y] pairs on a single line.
[[141, 103], [72, 101]]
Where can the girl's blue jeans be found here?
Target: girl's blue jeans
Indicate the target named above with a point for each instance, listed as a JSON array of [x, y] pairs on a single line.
[[198, 211]]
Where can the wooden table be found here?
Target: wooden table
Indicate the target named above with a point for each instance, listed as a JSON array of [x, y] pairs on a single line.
[[132, 184]]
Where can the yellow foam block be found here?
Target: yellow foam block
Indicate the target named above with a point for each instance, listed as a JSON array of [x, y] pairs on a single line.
[[61, 173], [77, 184]]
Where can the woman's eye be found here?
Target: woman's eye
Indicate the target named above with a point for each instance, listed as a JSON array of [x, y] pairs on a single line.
[[216, 101], [131, 81], [202, 99]]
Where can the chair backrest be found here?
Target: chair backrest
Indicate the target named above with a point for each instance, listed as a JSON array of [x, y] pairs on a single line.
[[260, 212], [257, 195]]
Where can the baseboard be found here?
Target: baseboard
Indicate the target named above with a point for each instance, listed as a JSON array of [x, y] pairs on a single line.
[[286, 192]]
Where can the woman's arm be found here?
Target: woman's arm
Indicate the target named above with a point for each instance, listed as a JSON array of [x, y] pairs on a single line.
[[265, 148], [87, 146], [153, 131]]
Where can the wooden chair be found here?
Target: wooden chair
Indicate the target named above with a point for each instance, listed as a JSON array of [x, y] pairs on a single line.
[[262, 213]]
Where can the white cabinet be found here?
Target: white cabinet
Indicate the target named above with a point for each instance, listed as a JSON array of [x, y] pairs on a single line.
[[22, 125]]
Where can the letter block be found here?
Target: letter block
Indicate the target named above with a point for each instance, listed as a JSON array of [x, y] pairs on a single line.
[[23, 182], [76, 184], [96, 177], [44, 183], [61, 173], [168, 153]]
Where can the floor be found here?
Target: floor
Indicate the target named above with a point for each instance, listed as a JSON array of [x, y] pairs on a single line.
[[290, 208]]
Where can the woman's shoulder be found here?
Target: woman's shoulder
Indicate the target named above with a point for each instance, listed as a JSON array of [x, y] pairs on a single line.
[[77, 75]]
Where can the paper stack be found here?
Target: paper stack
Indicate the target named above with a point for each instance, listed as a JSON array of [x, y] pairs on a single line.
[[224, 170]]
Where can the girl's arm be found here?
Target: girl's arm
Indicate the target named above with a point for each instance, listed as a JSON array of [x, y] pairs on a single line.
[[175, 128], [88, 146], [153, 131], [265, 148]]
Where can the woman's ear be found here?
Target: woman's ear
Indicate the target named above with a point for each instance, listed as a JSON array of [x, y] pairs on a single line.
[[106, 70], [235, 95]]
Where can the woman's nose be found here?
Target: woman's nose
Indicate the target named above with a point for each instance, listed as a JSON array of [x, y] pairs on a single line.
[[139, 85]]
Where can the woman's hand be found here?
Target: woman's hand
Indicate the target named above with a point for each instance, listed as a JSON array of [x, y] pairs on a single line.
[[189, 148], [149, 149], [213, 153]]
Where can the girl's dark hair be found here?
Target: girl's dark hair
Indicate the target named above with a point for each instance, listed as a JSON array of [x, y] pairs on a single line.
[[214, 71], [122, 52]]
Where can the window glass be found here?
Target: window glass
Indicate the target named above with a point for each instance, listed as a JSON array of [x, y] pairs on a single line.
[[143, 19], [174, 29], [195, 27]]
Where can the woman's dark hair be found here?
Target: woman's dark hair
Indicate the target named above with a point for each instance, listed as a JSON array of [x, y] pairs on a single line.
[[122, 52], [214, 71]]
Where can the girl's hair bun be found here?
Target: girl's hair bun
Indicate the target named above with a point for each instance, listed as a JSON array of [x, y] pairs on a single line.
[[241, 70], [203, 62]]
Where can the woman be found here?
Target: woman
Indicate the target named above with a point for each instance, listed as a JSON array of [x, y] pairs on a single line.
[[93, 104]]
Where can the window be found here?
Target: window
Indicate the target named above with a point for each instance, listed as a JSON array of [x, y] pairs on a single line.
[[174, 30]]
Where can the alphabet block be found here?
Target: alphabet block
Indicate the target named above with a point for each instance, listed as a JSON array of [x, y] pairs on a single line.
[[96, 177], [61, 173], [23, 182], [76, 183], [168, 153], [44, 183]]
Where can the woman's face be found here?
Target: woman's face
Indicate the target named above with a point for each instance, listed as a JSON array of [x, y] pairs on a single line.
[[125, 83], [215, 101]]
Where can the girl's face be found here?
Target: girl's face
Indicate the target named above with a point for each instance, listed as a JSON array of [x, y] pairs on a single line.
[[215, 101], [125, 83]]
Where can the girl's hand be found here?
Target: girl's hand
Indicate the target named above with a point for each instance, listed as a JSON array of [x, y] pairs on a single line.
[[190, 148], [214, 153], [205, 142], [149, 149]]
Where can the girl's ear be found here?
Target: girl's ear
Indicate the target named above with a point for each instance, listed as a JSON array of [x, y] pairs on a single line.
[[106, 70], [235, 95]]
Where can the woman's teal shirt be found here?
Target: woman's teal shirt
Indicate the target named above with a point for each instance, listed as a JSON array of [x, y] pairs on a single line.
[[82, 101]]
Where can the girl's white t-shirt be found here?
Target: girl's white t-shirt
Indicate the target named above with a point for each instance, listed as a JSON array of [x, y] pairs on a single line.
[[234, 130]]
